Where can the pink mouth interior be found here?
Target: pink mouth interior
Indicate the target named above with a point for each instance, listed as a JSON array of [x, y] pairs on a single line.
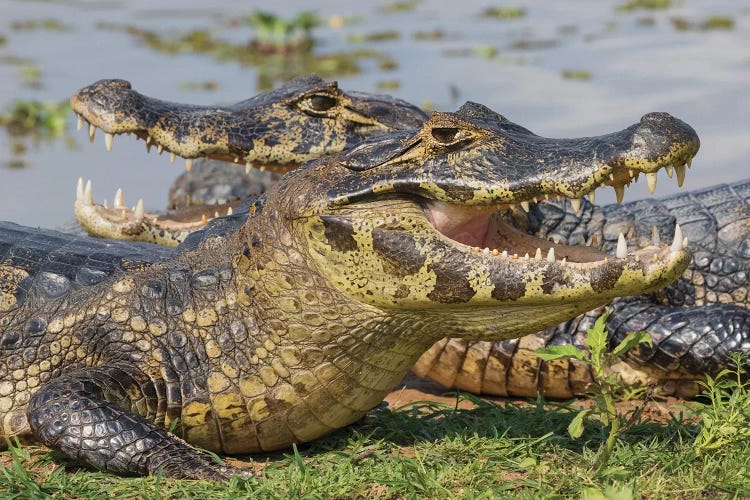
[[485, 227]]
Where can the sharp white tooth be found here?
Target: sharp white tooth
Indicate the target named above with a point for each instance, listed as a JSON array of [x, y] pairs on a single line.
[[538, 254], [564, 260], [670, 170], [576, 204], [526, 257], [619, 193], [262, 168], [108, 140], [592, 197], [495, 252], [551, 255], [677, 243], [119, 199], [79, 123], [504, 254], [684, 242], [204, 220], [689, 162], [637, 258], [188, 164], [248, 168], [230, 211], [88, 198], [631, 172], [92, 132], [486, 251], [680, 174], [622, 247], [536, 200], [105, 205], [79, 189], [651, 180], [148, 140], [160, 149], [216, 214], [612, 177], [172, 157], [138, 212], [525, 206], [655, 239], [148, 148], [636, 177]]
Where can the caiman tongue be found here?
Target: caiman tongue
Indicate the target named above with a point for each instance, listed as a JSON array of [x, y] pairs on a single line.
[[464, 224]]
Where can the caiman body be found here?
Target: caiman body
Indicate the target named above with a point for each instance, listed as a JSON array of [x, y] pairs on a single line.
[[277, 324]]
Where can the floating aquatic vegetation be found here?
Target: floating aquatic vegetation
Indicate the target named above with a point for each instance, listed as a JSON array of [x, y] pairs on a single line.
[[276, 34], [39, 24], [504, 13], [377, 36], [576, 74], [644, 5], [35, 120], [400, 6], [435, 34], [708, 24], [272, 66]]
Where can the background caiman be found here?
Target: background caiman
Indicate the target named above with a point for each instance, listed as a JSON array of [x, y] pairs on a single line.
[[280, 325]]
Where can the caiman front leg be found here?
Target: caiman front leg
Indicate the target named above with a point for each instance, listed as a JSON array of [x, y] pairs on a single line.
[[107, 417]]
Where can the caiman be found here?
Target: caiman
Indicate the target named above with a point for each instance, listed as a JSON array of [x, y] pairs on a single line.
[[280, 323], [696, 323]]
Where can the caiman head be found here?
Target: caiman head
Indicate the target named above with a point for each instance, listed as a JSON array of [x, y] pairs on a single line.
[[303, 119], [421, 221]]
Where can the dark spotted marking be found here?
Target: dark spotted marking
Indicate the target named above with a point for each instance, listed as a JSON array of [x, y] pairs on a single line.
[[339, 233], [399, 250], [604, 277], [509, 289], [451, 285]]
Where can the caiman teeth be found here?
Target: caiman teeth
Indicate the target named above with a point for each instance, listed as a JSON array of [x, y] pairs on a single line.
[[79, 123], [622, 247], [188, 164], [108, 140], [680, 169], [92, 132], [651, 180]]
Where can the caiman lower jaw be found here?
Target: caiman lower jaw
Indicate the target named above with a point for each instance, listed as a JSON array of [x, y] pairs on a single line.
[[483, 231], [134, 224]]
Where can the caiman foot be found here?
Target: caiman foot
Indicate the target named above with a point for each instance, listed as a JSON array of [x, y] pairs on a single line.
[[85, 416]]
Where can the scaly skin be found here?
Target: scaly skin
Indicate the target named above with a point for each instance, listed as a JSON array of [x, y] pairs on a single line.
[[695, 322], [303, 119], [297, 317]]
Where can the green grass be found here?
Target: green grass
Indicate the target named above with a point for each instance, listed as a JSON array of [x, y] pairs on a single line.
[[437, 451]]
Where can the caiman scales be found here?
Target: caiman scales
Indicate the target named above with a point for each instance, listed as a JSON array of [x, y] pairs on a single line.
[[294, 318]]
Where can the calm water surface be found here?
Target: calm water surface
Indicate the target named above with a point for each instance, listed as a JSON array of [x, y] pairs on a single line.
[[627, 63]]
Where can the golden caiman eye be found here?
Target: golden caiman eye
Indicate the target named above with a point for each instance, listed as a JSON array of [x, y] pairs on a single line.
[[321, 103], [446, 135]]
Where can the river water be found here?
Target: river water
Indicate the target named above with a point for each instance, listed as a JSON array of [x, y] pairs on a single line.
[[562, 69]]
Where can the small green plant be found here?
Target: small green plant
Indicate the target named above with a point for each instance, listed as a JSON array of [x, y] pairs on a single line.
[[276, 34], [27, 117], [504, 12], [606, 385], [725, 419]]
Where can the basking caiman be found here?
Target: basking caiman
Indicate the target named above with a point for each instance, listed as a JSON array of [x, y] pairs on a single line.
[[693, 335], [280, 325]]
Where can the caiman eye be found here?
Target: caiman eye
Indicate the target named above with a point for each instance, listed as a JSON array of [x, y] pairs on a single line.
[[447, 135], [321, 103]]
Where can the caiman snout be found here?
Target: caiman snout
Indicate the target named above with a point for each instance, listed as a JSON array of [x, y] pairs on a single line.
[[661, 135]]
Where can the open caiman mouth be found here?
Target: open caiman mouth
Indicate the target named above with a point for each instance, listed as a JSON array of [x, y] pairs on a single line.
[[487, 231]]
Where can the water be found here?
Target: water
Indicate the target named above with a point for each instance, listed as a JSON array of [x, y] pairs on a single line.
[[637, 62]]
